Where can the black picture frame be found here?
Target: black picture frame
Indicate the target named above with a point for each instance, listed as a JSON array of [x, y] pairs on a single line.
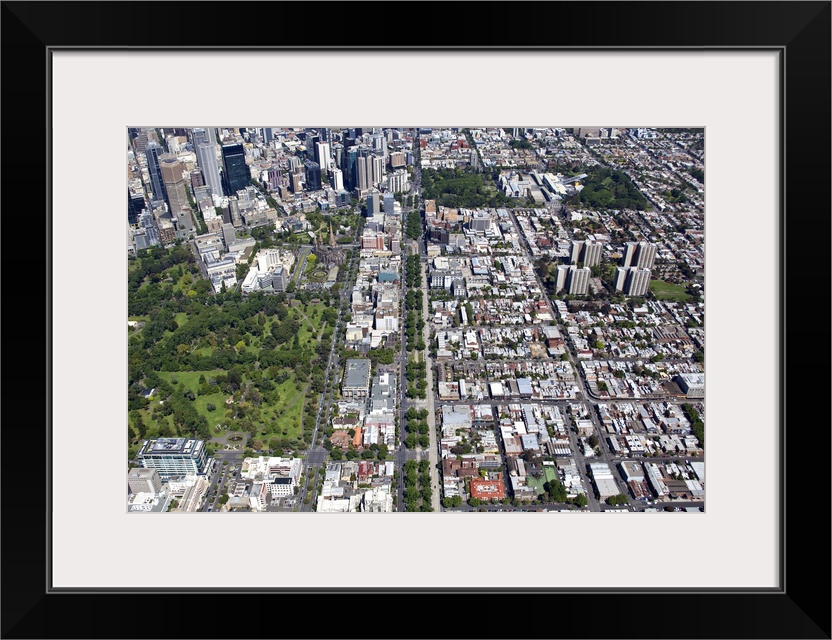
[[800, 608]]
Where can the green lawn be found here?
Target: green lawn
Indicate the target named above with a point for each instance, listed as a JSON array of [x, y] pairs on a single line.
[[181, 318], [288, 391], [189, 379], [667, 291]]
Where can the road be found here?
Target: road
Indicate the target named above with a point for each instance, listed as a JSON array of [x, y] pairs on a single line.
[[316, 455]]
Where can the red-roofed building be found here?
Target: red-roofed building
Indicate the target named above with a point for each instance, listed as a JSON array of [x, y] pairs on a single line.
[[488, 489], [365, 470]]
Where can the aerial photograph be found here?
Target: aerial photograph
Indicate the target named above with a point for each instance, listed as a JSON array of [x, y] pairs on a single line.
[[415, 319]]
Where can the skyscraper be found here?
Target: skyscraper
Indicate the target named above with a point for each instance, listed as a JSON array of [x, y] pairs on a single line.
[[389, 203], [620, 278], [377, 168], [337, 179], [578, 280], [373, 202], [275, 178], [592, 254], [237, 175], [586, 252], [638, 282], [175, 186], [206, 154], [361, 179], [350, 167], [639, 254], [575, 254], [153, 153], [633, 281], [313, 175], [322, 155], [135, 204], [560, 277]]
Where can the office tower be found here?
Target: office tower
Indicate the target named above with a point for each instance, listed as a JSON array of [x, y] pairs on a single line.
[[397, 160], [338, 155], [311, 142], [480, 221], [293, 163], [268, 135], [236, 175], [326, 134], [342, 198], [399, 181], [389, 203], [206, 155], [144, 481], [337, 179], [154, 153], [361, 179], [140, 142], [359, 131], [234, 211], [296, 181], [275, 176], [135, 205], [560, 277], [322, 155], [350, 167], [373, 202], [313, 175], [578, 280], [174, 457], [380, 144], [175, 185], [639, 254], [197, 180], [377, 168], [229, 234]]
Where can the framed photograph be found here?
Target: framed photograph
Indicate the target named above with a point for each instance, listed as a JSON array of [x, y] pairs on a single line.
[[735, 92]]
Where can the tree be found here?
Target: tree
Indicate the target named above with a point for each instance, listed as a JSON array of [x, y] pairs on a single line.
[[581, 500], [618, 499], [211, 406]]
